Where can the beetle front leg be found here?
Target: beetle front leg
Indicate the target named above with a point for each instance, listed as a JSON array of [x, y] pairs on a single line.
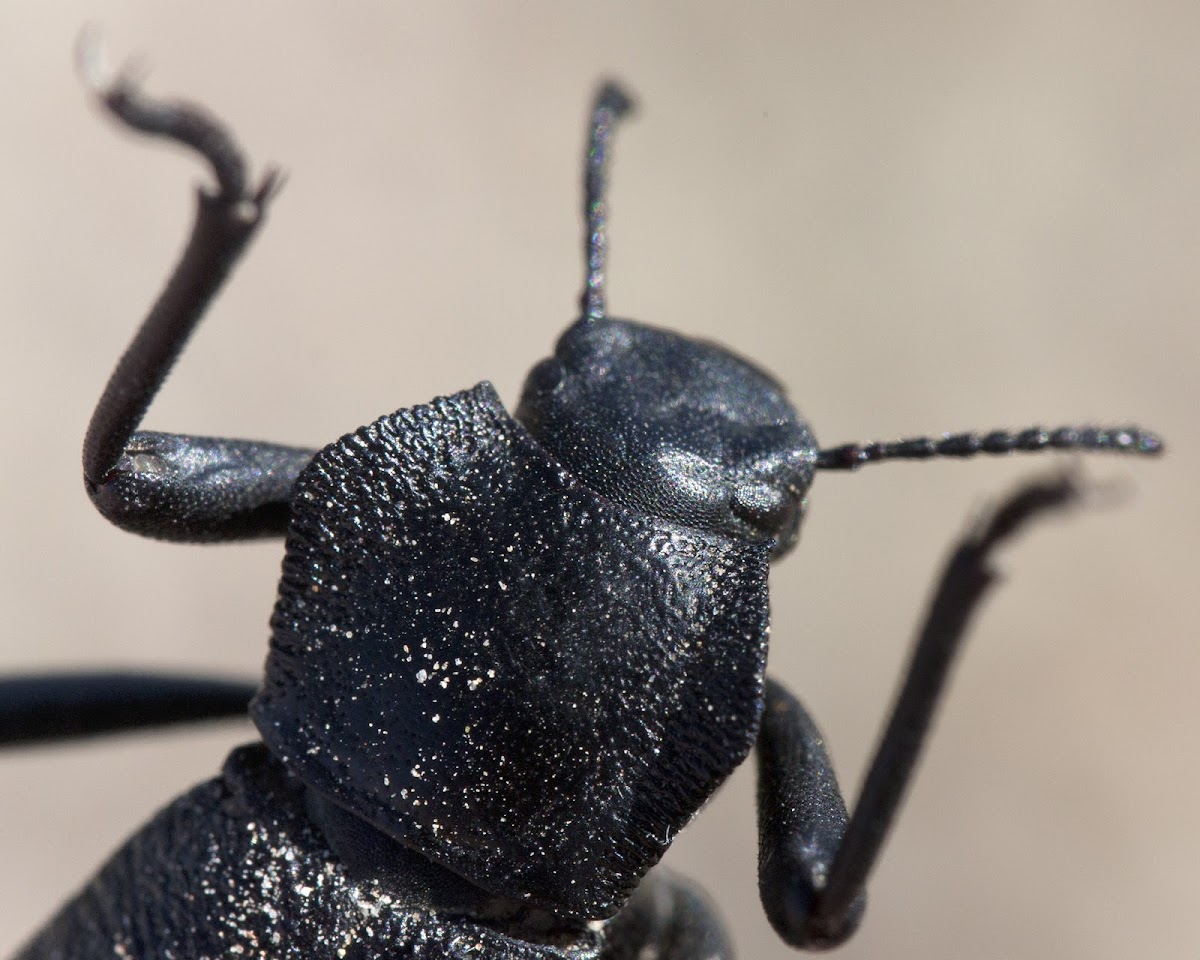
[[813, 863], [167, 485]]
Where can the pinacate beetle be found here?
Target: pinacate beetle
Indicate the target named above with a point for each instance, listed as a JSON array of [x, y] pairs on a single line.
[[511, 656]]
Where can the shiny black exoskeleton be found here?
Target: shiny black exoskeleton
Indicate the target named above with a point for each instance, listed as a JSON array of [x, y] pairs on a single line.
[[511, 657]]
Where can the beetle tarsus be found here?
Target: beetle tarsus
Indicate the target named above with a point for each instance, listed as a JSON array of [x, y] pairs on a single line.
[[186, 123]]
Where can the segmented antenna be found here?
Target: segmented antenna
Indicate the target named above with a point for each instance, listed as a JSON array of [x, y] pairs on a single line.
[[611, 104], [851, 456]]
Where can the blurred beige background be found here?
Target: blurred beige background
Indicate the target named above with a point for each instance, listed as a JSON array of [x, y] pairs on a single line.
[[923, 217]]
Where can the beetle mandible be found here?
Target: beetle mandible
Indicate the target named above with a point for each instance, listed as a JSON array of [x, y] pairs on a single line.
[[511, 655]]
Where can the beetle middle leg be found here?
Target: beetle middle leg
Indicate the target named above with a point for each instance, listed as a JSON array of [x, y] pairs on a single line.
[[43, 708], [813, 860]]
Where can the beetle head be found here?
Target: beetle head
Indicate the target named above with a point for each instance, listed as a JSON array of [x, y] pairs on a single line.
[[677, 428]]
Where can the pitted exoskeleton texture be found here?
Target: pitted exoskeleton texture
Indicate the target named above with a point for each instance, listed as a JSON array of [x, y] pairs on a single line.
[[493, 664], [234, 868]]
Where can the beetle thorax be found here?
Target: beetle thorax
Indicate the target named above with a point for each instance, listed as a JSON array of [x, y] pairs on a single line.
[[489, 662]]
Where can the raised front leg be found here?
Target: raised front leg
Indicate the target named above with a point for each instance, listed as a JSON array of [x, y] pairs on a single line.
[[813, 861], [173, 486]]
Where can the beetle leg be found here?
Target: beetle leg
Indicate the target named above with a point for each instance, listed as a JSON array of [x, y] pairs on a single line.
[[813, 864], [177, 487], [801, 822], [67, 706], [668, 918], [166, 485]]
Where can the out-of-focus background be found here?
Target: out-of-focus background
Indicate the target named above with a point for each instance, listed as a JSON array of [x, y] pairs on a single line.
[[922, 217]]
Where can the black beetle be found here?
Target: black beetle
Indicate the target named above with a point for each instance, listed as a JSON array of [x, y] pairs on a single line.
[[575, 757]]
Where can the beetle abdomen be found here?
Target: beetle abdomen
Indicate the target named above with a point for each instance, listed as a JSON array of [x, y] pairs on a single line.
[[234, 868]]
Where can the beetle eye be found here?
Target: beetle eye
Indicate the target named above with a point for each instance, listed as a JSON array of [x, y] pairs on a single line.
[[764, 507]]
